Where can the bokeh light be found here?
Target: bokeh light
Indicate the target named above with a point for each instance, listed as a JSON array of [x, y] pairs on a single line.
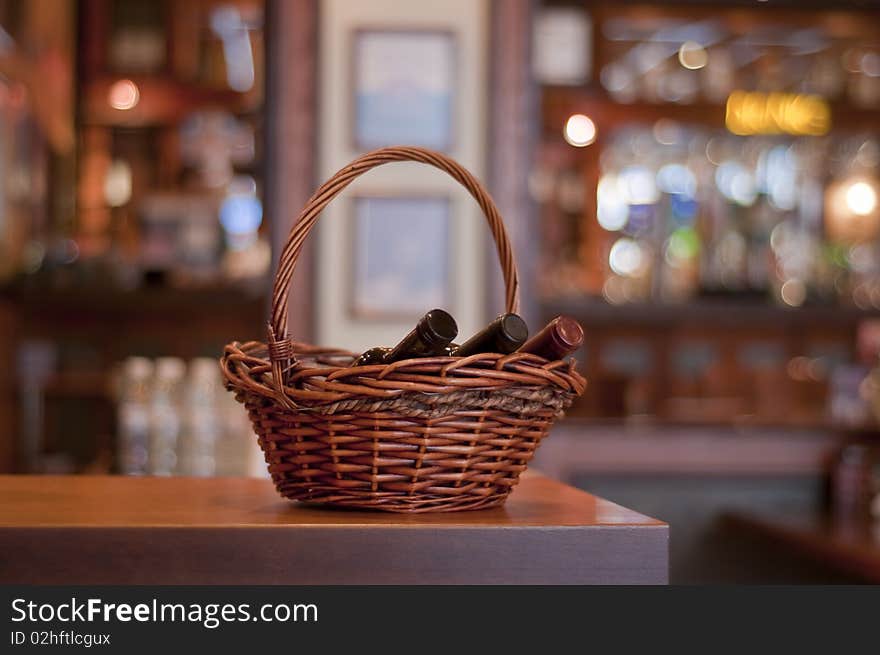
[[692, 55], [861, 198], [626, 257], [124, 95], [580, 130], [611, 208]]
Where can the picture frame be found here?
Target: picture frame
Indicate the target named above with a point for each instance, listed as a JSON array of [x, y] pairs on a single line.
[[403, 88], [399, 256]]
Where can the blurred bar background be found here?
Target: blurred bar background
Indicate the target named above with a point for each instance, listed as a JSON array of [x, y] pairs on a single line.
[[698, 183]]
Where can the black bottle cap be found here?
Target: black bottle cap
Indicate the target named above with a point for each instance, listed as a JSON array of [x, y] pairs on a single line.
[[438, 326], [513, 328]]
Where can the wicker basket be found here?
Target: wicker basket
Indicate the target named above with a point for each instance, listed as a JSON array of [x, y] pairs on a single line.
[[422, 435]]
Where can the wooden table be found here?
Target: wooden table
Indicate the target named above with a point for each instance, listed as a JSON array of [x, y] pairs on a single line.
[[848, 545], [117, 530]]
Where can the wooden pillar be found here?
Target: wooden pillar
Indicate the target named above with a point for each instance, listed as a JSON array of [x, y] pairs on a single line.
[[512, 132], [9, 327], [291, 136]]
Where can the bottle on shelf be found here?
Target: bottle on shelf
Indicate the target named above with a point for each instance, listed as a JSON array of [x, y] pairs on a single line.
[[236, 452], [166, 424], [559, 338], [133, 415], [429, 338], [198, 441], [503, 335]]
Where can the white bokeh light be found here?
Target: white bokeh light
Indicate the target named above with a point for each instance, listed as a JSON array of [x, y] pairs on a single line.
[[580, 130], [123, 95], [612, 210], [638, 185], [861, 198], [677, 179], [692, 55], [625, 257], [736, 183]]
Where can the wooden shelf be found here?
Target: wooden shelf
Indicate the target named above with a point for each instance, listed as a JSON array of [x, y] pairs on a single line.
[[67, 301], [79, 385], [558, 103], [163, 101], [730, 313]]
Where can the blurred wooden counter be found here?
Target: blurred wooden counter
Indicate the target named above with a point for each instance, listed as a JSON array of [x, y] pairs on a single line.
[[848, 545], [580, 446], [116, 530]]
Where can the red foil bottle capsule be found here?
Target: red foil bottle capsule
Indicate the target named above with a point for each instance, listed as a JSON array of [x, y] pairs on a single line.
[[559, 338]]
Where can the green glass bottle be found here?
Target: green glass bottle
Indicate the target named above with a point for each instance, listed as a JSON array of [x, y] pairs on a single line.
[[372, 356]]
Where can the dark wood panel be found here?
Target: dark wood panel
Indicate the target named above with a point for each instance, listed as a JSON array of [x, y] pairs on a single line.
[[336, 556], [9, 326]]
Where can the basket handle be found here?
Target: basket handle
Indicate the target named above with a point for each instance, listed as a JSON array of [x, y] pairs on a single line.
[[280, 345]]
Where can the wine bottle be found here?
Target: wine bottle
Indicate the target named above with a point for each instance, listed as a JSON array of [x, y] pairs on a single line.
[[560, 337], [503, 335], [429, 338], [372, 356]]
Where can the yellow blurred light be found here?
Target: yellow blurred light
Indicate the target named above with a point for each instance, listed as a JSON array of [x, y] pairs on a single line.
[[692, 55], [123, 95], [754, 112], [580, 130], [861, 198]]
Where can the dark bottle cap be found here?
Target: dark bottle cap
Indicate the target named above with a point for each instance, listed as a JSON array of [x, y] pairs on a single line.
[[513, 329], [428, 338], [503, 335], [437, 327]]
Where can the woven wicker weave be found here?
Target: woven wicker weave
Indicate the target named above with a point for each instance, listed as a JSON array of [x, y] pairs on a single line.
[[430, 434]]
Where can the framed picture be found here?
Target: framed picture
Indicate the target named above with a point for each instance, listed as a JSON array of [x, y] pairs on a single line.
[[400, 256], [403, 84]]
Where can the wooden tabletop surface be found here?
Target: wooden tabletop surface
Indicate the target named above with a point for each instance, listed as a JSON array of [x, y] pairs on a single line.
[[108, 501], [119, 530]]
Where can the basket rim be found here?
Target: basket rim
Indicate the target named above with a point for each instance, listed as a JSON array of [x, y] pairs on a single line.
[[322, 380]]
